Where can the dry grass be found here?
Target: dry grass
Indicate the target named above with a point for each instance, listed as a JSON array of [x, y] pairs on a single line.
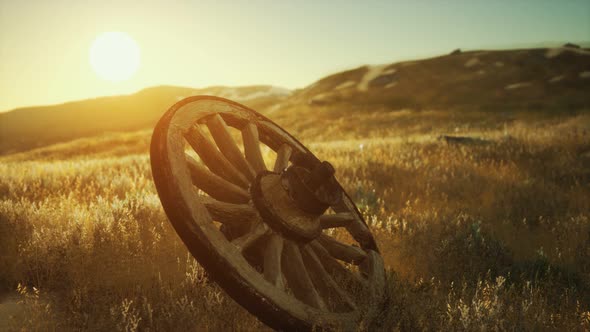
[[476, 237]]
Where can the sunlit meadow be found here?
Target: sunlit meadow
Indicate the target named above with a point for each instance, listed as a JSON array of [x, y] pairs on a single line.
[[492, 234]]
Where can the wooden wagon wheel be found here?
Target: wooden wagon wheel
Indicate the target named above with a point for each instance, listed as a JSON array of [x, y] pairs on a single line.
[[274, 239]]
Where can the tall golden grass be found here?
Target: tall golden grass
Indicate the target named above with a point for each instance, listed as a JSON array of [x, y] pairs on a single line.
[[491, 236]]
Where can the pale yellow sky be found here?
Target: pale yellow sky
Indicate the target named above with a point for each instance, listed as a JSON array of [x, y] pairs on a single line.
[[44, 45]]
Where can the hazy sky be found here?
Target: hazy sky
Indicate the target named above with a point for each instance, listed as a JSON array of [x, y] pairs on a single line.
[[44, 45]]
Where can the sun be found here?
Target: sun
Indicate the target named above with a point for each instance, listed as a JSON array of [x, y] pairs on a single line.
[[114, 56]]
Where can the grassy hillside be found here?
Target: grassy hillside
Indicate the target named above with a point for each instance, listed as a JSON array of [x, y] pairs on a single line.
[[534, 80], [487, 236], [530, 79], [27, 128]]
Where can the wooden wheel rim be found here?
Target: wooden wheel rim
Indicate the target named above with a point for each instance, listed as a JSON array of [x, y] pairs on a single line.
[[221, 258]]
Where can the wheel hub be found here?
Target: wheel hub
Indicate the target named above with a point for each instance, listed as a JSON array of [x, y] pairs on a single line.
[[291, 202]]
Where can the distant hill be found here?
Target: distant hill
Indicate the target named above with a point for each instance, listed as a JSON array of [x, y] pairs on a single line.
[[368, 99], [534, 79], [545, 44], [552, 80], [27, 128]]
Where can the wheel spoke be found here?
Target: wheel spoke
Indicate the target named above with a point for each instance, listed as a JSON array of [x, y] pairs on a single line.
[[272, 260], [336, 220], [344, 252], [283, 156], [229, 213], [214, 159], [252, 147], [298, 278], [336, 269], [214, 185], [373, 268], [228, 146], [256, 232], [327, 287], [358, 229]]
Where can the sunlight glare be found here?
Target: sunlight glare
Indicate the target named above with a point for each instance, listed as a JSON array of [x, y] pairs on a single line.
[[115, 56]]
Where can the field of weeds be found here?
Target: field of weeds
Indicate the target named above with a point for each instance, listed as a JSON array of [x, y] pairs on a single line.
[[485, 235]]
